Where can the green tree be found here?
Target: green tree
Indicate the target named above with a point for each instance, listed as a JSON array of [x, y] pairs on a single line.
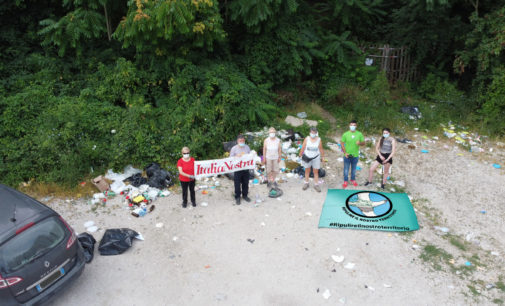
[[177, 25], [86, 20]]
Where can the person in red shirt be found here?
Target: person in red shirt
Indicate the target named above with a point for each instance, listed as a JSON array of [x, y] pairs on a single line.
[[186, 166]]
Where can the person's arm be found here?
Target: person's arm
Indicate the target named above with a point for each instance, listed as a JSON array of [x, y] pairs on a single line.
[[280, 151], [321, 150], [361, 141], [377, 148], [303, 147], [184, 173], [342, 145], [265, 151]]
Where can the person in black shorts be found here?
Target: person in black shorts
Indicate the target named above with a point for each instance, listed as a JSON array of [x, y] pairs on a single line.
[[385, 149]]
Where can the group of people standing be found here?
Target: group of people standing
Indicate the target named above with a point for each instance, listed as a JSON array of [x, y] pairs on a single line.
[[311, 154]]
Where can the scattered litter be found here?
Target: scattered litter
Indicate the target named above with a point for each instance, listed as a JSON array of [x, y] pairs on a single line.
[[482, 211], [92, 229], [308, 213], [159, 225], [424, 151], [250, 240], [496, 166], [342, 300], [221, 297], [442, 229], [490, 286], [468, 264], [164, 193], [204, 204], [387, 286], [338, 259], [175, 238], [262, 224], [207, 266], [494, 253], [302, 115], [326, 294], [370, 288], [349, 265], [89, 224], [415, 246]]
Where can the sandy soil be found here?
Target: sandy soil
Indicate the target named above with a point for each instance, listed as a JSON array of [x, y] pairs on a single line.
[[274, 254]]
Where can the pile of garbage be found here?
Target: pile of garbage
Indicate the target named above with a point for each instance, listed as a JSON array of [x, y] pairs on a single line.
[[473, 141], [138, 192]]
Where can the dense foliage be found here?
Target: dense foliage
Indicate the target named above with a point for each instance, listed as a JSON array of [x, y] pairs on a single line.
[[88, 85]]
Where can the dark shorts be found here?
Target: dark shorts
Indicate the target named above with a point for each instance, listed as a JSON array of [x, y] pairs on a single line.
[[386, 155]]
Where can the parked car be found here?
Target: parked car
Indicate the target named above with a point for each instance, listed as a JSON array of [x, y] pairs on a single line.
[[39, 251]]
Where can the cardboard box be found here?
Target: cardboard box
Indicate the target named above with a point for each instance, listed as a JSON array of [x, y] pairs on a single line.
[[100, 183]]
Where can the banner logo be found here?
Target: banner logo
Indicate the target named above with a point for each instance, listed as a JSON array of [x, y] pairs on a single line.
[[368, 204]]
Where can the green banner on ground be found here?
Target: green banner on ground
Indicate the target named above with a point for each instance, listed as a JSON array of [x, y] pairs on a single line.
[[368, 210]]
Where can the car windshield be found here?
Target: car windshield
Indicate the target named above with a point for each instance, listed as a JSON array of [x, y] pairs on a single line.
[[31, 244]]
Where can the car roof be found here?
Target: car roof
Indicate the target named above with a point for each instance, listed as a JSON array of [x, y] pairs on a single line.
[[26, 210]]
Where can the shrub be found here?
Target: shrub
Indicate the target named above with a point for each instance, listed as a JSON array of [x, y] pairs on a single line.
[[493, 104]]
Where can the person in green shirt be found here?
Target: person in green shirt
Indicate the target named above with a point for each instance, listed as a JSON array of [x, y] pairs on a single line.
[[350, 143]]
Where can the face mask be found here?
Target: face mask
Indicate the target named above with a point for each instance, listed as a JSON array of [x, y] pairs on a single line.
[[386, 135], [272, 135], [313, 135], [352, 128], [241, 144], [185, 155]]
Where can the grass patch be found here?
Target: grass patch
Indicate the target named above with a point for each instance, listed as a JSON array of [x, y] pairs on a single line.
[[41, 189], [436, 256], [498, 301], [500, 285], [473, 290], [457, 242]]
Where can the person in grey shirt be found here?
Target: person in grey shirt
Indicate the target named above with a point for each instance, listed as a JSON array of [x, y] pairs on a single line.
[[385, 148], [241, 177]]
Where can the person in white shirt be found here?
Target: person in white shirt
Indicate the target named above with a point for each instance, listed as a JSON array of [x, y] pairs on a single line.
[[272, 156], [312, 155]]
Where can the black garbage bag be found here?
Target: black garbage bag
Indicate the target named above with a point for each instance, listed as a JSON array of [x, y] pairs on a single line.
[[322, 172], [160, 179], [300, 170], [412, 111], [137, 179], [116, 241], [87, 242], [151, 169]]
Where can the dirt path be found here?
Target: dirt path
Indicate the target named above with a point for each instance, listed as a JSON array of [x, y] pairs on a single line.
[[274, 254]]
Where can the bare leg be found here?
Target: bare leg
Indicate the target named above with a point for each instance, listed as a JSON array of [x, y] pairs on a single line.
[[386, 173], [316, 176], [307, 175], [372, 169]]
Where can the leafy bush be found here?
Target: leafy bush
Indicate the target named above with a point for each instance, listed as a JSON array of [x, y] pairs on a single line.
[[62, 138], [493, 105]]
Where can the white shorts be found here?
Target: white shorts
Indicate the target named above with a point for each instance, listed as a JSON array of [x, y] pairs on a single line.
[[315, 163]]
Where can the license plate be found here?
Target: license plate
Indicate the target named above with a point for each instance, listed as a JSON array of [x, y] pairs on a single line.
[[51, 279]]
